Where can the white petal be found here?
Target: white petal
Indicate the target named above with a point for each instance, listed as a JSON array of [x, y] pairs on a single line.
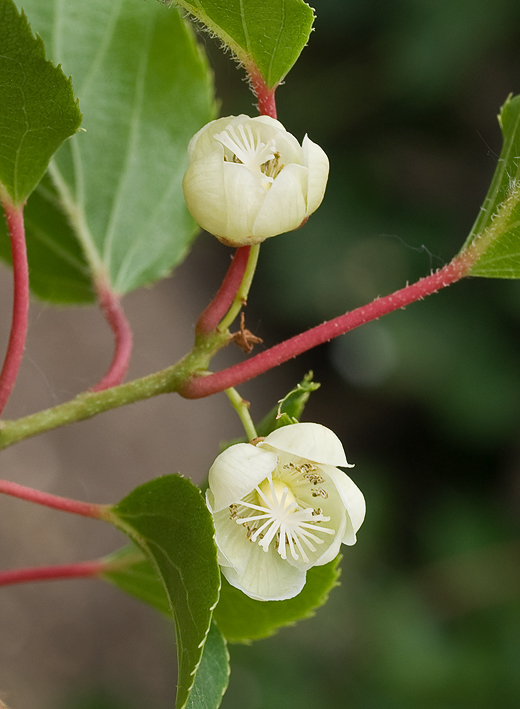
[[311, 441], [289, 148], [237, 471], [203, 142], [234, 548], [317, 162], [244, 198], [333, 550], [205, 193], [351, 495], [268, 121], [284, 207], [266, 577]]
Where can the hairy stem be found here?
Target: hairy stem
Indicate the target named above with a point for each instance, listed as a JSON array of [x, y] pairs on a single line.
[[226, 294], [189, 377], [84, 569], [89, 404], [111, 307], [241, 406], [265, 96], [244, 371], [16, 345], [85, 509]]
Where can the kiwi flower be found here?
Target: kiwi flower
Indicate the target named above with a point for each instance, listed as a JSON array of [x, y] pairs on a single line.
[[280, 507], [249, 179]]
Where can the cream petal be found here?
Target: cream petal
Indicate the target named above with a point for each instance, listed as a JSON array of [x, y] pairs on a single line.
[[203, 142], [268, 121], [244, 198], [266, 577], [317, 163], [289, 148], [311, 441], [234, 548], [351, 496], [205, 193], [284, 207], [237, 471]]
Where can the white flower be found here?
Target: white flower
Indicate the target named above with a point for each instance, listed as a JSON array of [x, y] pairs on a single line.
[[281, 507], [249, 179]]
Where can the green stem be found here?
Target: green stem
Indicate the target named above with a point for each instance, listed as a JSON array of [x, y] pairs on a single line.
[[243, 291], [91, 403], [241, 406]]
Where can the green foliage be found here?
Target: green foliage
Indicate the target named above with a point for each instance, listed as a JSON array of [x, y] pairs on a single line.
[[136, 576], [145, 89], [267, 35], [496, 232], [212, 676], [59, 272], [37, 106], [241, 619], [168, 519], [290, 408]]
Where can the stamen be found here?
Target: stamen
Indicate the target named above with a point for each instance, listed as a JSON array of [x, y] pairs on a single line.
[[247, 147], [280, 518]]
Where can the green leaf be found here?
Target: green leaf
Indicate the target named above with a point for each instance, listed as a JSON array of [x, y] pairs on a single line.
[[59, 272], [289, 409], [145, 89], [168, 519], [267, 35], [37, 106], [212, 676], [495, 237], [134, 574], [131, 571], [241, 619]]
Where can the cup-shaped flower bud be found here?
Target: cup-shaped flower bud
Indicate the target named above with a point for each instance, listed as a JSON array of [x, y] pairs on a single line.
[[249, 179], [281, 507]]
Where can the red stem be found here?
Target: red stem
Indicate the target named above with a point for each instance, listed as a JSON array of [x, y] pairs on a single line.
[[244, 371], [110, 305], [84, 569], [85, 509], [15, 348], [265, 96], [222, 302]]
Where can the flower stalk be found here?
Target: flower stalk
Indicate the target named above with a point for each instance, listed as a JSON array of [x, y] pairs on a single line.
[[262, 362], [20, 318], [184, 377], [227, 293], [241, 406], [243, 291]]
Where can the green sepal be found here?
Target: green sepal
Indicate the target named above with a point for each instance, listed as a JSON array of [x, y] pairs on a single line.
[[38, 110], [289, 409]]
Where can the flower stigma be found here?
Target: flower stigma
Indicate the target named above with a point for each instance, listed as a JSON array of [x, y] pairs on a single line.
[[248, 150], [272, 512]]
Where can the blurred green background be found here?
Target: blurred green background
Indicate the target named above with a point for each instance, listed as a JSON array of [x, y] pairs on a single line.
[[403, 96]]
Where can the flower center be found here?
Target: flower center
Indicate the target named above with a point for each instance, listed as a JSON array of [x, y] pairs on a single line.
[[277, 516], [248, 150]]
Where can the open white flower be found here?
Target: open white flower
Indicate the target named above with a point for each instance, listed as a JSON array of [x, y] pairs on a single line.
[[281, 507], [249, 179]]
